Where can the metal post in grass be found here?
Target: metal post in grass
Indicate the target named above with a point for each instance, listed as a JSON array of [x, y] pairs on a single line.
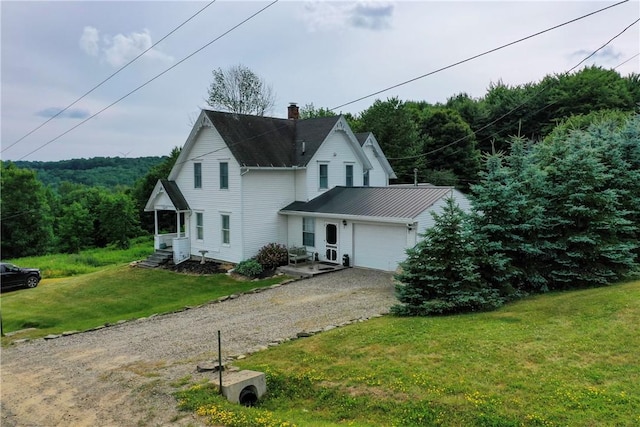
[[220, 361]]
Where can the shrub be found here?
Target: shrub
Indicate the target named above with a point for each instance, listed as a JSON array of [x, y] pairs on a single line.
[[249, 268], [272, 255]]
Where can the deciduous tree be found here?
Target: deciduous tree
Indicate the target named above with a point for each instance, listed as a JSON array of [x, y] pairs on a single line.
[[26, 217], [239, 90]]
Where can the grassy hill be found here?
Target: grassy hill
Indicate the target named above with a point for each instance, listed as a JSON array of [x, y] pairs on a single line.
[[562, 359], [566, 359]]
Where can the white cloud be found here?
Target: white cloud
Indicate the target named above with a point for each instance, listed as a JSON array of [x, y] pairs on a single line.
[[89, 41], [329, 16], [119, 49]]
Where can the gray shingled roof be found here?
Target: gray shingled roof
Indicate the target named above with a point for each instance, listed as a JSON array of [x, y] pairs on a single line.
[[269, 141], [362, 137], [381, 202], [174, 193]]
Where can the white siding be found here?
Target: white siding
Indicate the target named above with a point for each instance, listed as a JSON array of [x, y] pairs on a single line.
[[336, 151], [264, 193], [209, 149], [377, 176], [425, 219], [301, 185]]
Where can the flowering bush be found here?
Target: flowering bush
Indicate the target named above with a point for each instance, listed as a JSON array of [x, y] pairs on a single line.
[[272, 255]]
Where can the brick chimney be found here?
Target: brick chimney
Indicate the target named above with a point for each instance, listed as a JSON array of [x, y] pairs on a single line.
[[294, 111]]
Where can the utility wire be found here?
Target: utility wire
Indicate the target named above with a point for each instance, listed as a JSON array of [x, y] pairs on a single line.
[[110, 77], [477, 56], [431, 73], [519, 105], [152, 79], [622, 63]]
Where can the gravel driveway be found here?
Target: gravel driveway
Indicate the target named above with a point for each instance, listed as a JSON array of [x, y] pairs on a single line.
[[123, 375]]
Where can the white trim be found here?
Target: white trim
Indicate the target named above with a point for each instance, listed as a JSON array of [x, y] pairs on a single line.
[[363, 218]]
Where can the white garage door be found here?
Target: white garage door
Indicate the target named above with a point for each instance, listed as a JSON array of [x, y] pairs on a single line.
[[379, 246]]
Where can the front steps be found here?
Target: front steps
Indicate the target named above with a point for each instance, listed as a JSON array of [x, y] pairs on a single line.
[[159, 258]]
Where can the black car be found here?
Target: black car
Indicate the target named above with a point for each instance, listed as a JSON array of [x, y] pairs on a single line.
[[16, 277]]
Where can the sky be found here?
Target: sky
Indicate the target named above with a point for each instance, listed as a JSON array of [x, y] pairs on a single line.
[[311, 52]]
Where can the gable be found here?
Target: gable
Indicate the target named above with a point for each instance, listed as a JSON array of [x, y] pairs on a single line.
[[267, 142], [166, 196], [372, 150]]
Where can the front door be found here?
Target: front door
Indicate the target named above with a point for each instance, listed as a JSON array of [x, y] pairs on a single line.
[[331, 238]]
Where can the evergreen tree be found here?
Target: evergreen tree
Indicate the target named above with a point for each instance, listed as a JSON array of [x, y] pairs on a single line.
[[440, 274], [586, 223]]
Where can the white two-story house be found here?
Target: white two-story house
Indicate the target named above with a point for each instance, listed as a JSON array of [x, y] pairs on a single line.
[[243, 181]]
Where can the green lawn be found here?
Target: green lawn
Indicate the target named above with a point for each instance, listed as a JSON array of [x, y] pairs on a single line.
[[566, 359], [88, 261], [108, 295]]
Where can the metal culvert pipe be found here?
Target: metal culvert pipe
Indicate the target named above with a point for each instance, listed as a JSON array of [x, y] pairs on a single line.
[[248, 396]]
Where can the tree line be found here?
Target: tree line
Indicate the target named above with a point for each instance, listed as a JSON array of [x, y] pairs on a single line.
[[71, 216], [442, 143], [106, 172], [560, 214]]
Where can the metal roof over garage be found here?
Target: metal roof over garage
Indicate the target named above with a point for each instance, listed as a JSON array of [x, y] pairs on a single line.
[[378, 202]]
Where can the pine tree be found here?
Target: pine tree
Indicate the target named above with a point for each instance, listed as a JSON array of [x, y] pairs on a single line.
[[440, 275], [587, 222], [508, 216]]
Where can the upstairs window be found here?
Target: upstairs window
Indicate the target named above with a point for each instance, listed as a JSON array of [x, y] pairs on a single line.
[[349, 174], [308, 232], [324, 176], [365, 178], [197, 175], [225, 229], [224, 175]]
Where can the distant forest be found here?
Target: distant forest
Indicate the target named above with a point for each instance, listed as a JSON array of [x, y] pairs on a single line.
[[108, 172]]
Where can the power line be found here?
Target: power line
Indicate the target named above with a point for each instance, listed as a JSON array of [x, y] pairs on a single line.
[[428, 74], [477, 56], [519, 105], [110, 77], [622, 63], [152, 79]]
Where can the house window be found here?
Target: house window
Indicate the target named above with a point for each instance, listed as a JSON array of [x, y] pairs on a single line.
[[309, 232], [197, 175], [225, 230], [224, 175], [365, 178], [349, 174], [324, 176], [199, 226]]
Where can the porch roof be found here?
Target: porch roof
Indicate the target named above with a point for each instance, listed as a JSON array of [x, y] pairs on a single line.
[[171, 190]]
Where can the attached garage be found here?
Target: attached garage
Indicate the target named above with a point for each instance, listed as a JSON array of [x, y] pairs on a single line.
[[373, 226], [379, 246]]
